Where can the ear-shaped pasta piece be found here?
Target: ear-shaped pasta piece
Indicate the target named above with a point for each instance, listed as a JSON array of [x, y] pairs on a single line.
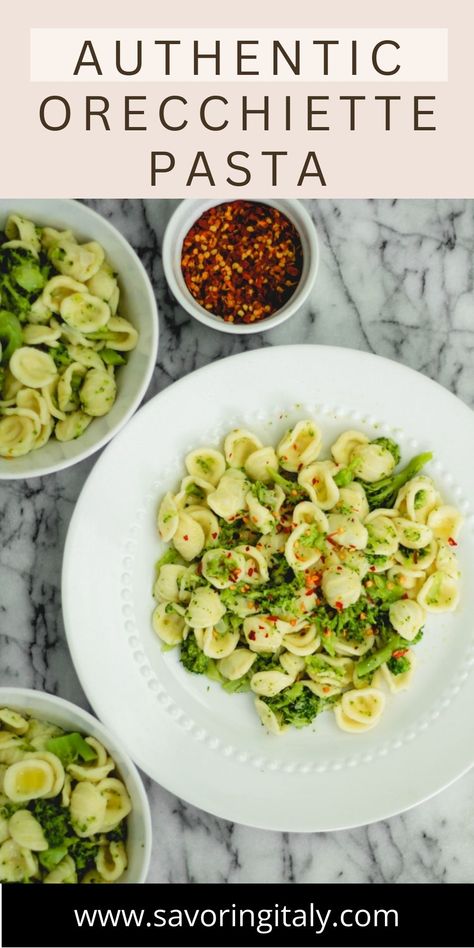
[[117, 802], [39, 313], [17, 435], [193, 491], [14, 721], [446, 561], [344, 445], [167, 586], [68, 383], [57, 289], [204, 609], [440, 593], [31, 399], [341, 586], [237, 664], [261, 518], [414, 560], [87, 808], [401, 682], [218, 645], [352, 500], [103, 284], [445, 522], [382, 536], [308, 512], [27, 831], [300, 446], [37, 335], [206, 463], [356, 560], [16, 863], [98, 392], [267, 717], [85, 312], [85, 356], [349, 646], [417, 498], [270, 683], [412, 535], [32, 367], [258, 464], [188, 538], [56, 766], [168, 517], [50, 236], [73, 426], [64, 872], [79, 261], [347, 531], [302, 642], [362, 707], [93, 772], [255, 564], [119, 334], [28, 779], [4, 832], [168, 624], [407, 617], [408, 579], [228, 499], [303, 546], [20, 228], [293, 665], [271, 544], [111, 861], [222, 568], [318, 482], [373, 461], [261, 634], [239, 445], [326, 670], [40, 732]]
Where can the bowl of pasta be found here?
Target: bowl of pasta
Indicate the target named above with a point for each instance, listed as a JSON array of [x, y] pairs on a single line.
[[73, 808], [78, 334]]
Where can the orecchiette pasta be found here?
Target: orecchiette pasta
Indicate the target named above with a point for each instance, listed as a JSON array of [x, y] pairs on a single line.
[[302, 579], [59, 313], [63, 807]]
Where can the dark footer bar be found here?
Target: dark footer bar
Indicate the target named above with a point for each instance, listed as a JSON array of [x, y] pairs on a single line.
[[236, 915]]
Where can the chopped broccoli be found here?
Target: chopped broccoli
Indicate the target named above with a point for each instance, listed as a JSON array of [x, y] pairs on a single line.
[[22, 277], [83, 851], [51, 857], [347, 474], [60, 355], [420, 499], [383, 493], [296, 705], [69, 747], [391, 446], [54, 820], [11, 336], [290, 487], [398, 665], [192, 657], [171, 556], [111, 357]]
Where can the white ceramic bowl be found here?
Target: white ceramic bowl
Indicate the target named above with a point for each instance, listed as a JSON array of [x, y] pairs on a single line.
[[137, 302], [188, 212], [69, 716]]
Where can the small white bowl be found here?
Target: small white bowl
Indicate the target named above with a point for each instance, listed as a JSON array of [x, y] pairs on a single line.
[[188, 212], [137, 302], [69, 716]]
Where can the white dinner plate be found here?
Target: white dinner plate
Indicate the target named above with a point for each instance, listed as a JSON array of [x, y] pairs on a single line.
[[186, 732]]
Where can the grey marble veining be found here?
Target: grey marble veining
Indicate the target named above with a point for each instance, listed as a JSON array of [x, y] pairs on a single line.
[[396, 278]]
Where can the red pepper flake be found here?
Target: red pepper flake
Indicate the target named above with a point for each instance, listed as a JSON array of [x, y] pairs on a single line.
[[250, 570], [252, 636], [338, 604], [242, 260], [452, 541], [272, 618], [214, 536], [399, 653], [185, 536]]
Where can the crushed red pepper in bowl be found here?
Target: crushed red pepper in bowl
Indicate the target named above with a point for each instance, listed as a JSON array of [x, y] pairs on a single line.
[[242, 260]]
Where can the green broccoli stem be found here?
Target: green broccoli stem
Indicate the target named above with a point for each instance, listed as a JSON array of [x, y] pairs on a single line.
[[368, 665], [290, 487], [383, 493]]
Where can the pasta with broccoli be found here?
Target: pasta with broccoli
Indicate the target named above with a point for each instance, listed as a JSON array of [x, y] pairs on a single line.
[[63, 807], [302, 579], [61, 338]]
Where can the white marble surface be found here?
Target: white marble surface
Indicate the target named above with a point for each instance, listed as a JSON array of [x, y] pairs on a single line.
[[397, 279]]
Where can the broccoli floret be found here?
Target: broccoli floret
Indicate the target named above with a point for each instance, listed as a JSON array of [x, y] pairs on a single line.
[[54, 820], [192, 657], [70, 747], [418, 637], [111, 357], [11, 336], [22, 277], [60, 355], [347, 474], [296, 705], [398, 665], [391, 446], [383, 493], [292, 488], [83, 851]]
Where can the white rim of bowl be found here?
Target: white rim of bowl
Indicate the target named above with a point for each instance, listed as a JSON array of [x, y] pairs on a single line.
[[69, 462], [183, 218], [22, 694]]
